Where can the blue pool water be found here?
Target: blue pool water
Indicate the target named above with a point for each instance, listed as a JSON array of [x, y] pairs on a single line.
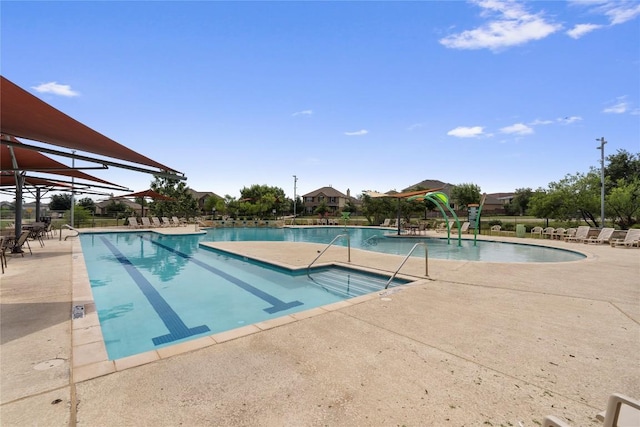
[[152, 291], [378, 240]]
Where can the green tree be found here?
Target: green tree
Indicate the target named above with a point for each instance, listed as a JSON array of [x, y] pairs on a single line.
[[521, 200], [261, 200], [214, 202], [322, 209], [623, 202], [465, 194], [573, 196], [88, 204], [60, 202], [81, 216], [622, 166], [117, 209], [376, 209], [182, 202]]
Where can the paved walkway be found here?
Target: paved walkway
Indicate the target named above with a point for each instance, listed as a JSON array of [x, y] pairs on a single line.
[[475, 344]]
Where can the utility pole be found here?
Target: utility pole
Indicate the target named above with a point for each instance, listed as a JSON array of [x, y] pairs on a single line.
[[601, 148], [295, 199]]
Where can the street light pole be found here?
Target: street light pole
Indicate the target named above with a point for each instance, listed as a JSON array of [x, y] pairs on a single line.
[[295, 199], [601, 148]]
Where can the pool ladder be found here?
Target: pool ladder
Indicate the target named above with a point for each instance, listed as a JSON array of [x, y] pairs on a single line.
[[328, 246], [426, 262]]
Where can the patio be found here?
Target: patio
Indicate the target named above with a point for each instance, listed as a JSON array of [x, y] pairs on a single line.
[[476, 344]]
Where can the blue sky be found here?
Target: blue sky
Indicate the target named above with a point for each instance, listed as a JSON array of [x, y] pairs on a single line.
[[354, 95]]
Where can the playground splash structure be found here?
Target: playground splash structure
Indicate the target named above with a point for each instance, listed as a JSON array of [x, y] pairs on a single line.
[[442, 201]]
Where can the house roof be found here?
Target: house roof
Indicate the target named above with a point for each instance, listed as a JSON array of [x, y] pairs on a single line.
[[326, 191], [201, 194], [429, 183], [105, 203]]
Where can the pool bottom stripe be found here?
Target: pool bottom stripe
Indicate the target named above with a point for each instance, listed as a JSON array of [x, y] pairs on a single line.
[[177, 329], [276, 304]]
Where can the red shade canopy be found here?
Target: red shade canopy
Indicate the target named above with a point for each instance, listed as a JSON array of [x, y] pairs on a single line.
[[150, 194], [29, 160], [24, 115], [10, 181]]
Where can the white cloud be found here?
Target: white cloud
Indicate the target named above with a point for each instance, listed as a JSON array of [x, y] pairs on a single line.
[[619, 108], [466, 132], [620, 12], [512, 26], [569, 119], [415, 126], [518, 129], [357, 133], [581, 29], [303, 113], [56, 89], [538, 122], [617, 11]]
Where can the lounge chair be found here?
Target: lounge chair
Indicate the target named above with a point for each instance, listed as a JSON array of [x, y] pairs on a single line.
[[559, 233], [495, 229], [442, 227], [156, 221], [386, 222], [166, 222], [464, 228], [548, 232], [133, 222], [631, 239], [536, 231], [176, 221], [622, 411], [146, 223], [22, 239], [603, 237], [581, 234]]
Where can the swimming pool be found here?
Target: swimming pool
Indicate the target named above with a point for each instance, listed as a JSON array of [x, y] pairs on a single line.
[[385, 241], [152, 291]]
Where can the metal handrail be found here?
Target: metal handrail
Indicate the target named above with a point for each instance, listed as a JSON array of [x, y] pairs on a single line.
[[329, 245], [70, 228], [426, 262]]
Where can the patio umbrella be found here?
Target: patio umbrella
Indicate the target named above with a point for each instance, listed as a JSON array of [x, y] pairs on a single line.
[[150, 194]]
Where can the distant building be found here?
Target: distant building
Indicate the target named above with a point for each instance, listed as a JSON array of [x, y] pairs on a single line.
[[332, 198], [432, 184], [201, 196], [101, 207]]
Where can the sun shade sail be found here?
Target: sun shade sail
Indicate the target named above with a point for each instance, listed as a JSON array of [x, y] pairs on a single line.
[[29, 160], [9, 180], [148, 193], [24, 115]]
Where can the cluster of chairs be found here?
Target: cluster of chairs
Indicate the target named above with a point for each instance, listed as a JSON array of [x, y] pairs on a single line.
[[35, 231], [581, 235], [155, 222]]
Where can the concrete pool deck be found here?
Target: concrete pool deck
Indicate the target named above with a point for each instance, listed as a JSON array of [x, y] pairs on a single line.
[[475, 344]]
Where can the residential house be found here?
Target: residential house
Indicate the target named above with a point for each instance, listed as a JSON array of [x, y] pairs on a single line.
[[332, 198], [201, 196], [102, 206]]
